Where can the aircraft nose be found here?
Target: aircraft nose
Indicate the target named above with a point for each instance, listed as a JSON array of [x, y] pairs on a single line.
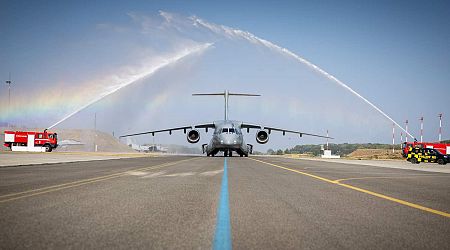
[[230, 140]]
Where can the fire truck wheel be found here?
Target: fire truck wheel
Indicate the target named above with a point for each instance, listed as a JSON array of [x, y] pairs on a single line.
[[414, 161], [441, 162], [48, 148]]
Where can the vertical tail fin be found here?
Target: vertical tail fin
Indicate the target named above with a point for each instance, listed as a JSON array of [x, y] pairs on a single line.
[[226, 94]]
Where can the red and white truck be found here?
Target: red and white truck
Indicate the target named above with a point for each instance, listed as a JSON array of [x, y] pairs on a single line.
[[444, 148], [31, 141]]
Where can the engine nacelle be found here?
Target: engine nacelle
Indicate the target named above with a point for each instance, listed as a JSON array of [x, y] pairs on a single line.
[[193, 136], [262, 137]]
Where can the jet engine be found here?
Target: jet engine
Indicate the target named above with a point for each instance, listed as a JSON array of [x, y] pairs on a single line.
[[193, 136], [262, 137]]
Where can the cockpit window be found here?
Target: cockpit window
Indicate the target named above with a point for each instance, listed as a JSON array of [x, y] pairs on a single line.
[[228, 130]]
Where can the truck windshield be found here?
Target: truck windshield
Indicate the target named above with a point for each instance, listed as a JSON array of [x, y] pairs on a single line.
[[435, 152]]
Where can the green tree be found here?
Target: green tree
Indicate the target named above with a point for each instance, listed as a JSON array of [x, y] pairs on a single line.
[[270, 151]]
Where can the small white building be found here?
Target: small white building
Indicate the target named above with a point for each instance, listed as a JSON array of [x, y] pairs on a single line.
[[327, 154]]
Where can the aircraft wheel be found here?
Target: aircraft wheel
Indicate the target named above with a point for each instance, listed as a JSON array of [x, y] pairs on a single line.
[[230, 154]]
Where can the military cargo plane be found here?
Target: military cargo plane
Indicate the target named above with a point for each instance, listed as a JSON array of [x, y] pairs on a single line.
[[228, 136]]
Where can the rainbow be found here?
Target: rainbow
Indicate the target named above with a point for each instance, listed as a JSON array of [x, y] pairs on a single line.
[[64, 104]]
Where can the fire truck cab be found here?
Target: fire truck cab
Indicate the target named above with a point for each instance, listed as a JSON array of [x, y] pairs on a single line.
[[30, 141], [443, 148]]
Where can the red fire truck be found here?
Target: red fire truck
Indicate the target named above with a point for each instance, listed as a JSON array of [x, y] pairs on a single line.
[[31, 141], [444, 148]]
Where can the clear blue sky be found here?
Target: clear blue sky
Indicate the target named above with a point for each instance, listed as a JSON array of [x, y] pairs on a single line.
[[395, 53]]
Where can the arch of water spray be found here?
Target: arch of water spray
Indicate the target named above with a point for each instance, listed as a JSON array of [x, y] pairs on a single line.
[[229, 33], [134, 78], [236, 33]]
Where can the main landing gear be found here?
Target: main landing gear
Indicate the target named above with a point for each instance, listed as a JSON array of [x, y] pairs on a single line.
[[227, 153]]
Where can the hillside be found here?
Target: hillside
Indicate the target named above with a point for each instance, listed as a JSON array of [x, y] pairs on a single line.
[[370, 154], [343, 149], [80, 140]]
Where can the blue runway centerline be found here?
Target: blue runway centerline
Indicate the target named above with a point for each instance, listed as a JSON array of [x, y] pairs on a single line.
[[222, 237]]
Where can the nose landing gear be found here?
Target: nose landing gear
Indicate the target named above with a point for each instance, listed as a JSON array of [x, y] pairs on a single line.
[[227, 153]]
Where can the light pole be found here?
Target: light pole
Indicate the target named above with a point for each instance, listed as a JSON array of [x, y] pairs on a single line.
[[9, 98], [401, 139], [393, 137], [421, 129], [95, 132], [406, 138], [440, 127]]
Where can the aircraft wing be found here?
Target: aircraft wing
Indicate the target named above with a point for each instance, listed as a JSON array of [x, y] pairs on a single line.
[[284, 131], [185, 128]]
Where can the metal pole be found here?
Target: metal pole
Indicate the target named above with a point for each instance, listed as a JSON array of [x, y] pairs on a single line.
[[421, 129], [95, 132], [393, 137], [401, 139], [327, 139], [440, 127], [406, 139], [9, 99]]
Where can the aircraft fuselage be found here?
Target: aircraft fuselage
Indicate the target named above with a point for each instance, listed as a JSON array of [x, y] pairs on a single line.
[[227, 138]]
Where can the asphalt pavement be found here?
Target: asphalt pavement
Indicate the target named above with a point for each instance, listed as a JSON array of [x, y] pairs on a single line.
[[184, 202]]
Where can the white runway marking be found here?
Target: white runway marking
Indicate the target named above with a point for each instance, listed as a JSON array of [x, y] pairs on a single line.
[[154, 174], [179, 174], [212, 173], [137, 173], [163, 174]]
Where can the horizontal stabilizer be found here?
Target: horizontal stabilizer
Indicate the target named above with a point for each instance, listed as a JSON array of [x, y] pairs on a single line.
[[226, 94], [223, 94]]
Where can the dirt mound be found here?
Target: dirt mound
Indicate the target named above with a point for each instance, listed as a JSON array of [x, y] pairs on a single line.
[[371, 154]]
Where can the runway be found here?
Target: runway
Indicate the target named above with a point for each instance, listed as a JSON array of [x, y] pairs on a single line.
[[214, 202]]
